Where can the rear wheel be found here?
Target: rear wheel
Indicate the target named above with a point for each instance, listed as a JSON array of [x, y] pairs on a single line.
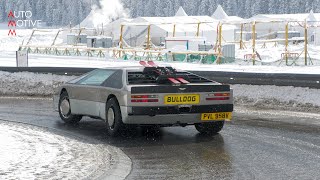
[[210, 127], [114, 122], [65, 110]]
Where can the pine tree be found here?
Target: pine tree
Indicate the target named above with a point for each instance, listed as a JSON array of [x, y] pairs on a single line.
[[140, 5], [40, 6], [159, 8], [273, 7], [168, 8], [283, 6], [203, 8], [81, 11], [177, 4], [74, 12], [231, 7], [248, 8], [133, 8], [49, 6], [240, 9], [2, 11], [317, 8], [212, 7], [171, 11], [61, 12], [148, 9], [308, 6], [197, 3], [263, 7]]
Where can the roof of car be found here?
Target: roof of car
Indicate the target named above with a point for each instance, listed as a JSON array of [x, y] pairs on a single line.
[[128, 68], [124, 67]]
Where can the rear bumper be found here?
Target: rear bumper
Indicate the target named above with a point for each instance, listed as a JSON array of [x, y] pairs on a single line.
[[165, 110], [169, 115]]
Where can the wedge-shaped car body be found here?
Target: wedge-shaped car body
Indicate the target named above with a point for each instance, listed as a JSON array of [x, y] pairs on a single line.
[[145, 96]]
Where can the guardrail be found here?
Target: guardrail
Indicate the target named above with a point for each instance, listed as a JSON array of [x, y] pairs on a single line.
[[297, 80], [120, 53]]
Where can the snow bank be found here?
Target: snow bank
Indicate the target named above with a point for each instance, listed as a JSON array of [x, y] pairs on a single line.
[[27, 152], [276, 96], [30, 84]]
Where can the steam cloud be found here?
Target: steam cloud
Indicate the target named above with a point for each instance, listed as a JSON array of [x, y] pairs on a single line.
[[108, 11]]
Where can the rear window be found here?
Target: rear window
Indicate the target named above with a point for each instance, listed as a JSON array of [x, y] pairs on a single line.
[[142, 78], [96, 77]]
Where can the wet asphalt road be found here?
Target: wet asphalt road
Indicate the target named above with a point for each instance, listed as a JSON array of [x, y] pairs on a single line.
[[248, 148]]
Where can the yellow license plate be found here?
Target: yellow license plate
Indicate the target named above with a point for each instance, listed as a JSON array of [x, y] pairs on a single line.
[[216, 116], [182, 99]]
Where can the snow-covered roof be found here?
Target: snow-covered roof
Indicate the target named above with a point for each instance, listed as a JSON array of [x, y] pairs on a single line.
[[184, 28], [286, 17], [183, 23], [99, 37], [282, 32], [174, 20], [186, 38], [311, 16], [164, 26], [88, 21], [219, 14], [77, 34], [181, 12], [234, 18]]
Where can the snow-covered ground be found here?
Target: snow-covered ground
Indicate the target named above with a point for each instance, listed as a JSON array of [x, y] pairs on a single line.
[[269, 55], [25, 83], [28, 152], [8, 59]]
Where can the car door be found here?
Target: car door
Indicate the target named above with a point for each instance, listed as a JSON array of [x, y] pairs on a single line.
[[113, 85], [85, 96]]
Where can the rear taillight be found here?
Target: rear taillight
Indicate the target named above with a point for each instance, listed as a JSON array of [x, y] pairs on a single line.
[[144, 98], [217, 99], [218, 96]]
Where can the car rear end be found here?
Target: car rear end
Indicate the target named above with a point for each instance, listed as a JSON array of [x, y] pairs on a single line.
[[194, 100]]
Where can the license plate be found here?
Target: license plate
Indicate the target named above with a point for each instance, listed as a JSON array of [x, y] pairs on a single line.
[[182, 99], [216, 116]]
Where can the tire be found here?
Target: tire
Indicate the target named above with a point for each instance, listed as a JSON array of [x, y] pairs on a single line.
[[210, 128], [65, 110], [113, 122]]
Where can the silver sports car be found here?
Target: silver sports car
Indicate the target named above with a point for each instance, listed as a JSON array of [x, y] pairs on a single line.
[[146, 96]]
